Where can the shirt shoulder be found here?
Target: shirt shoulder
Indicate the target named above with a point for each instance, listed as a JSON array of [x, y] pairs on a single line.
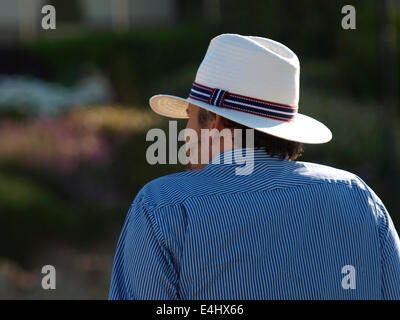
[[355, 184], [171, 189], [175, 188], [319, 173]]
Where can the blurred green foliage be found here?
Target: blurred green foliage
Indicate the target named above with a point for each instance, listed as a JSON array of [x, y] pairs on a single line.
[[138, 61], [31, 214], [132, 61]]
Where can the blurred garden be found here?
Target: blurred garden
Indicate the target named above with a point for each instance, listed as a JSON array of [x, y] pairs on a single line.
[[74, 115]]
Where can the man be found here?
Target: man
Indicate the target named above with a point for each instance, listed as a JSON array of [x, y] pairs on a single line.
[[283, 229]]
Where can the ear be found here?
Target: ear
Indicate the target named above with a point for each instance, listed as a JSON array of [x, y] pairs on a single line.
[[215, 123], [218, 122]]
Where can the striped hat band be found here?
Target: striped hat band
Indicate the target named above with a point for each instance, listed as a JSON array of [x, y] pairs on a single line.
[[225, 99]]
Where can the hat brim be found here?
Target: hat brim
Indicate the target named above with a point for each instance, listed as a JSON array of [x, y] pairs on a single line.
[[302, 128]]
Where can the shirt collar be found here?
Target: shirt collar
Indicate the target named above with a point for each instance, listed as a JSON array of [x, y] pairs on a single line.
[[239, 156], [247, 153]]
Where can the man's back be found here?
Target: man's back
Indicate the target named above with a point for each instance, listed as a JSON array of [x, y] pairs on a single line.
[[288, 230]]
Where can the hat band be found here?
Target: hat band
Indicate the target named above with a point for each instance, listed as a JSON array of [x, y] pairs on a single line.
[[222, 98]]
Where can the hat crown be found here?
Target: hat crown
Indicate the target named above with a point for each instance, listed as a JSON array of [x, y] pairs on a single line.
[[251, 66]]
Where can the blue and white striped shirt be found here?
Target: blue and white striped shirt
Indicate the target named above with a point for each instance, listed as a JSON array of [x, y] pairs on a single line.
[[288, 230]]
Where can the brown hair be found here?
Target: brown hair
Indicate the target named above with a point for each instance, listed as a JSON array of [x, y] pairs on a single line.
[[271, 144]]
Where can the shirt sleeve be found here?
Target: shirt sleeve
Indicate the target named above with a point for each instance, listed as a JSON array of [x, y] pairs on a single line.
[[143, 268], [390, 256]]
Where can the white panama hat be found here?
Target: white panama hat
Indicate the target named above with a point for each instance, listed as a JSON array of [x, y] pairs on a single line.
[[253, 81]]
